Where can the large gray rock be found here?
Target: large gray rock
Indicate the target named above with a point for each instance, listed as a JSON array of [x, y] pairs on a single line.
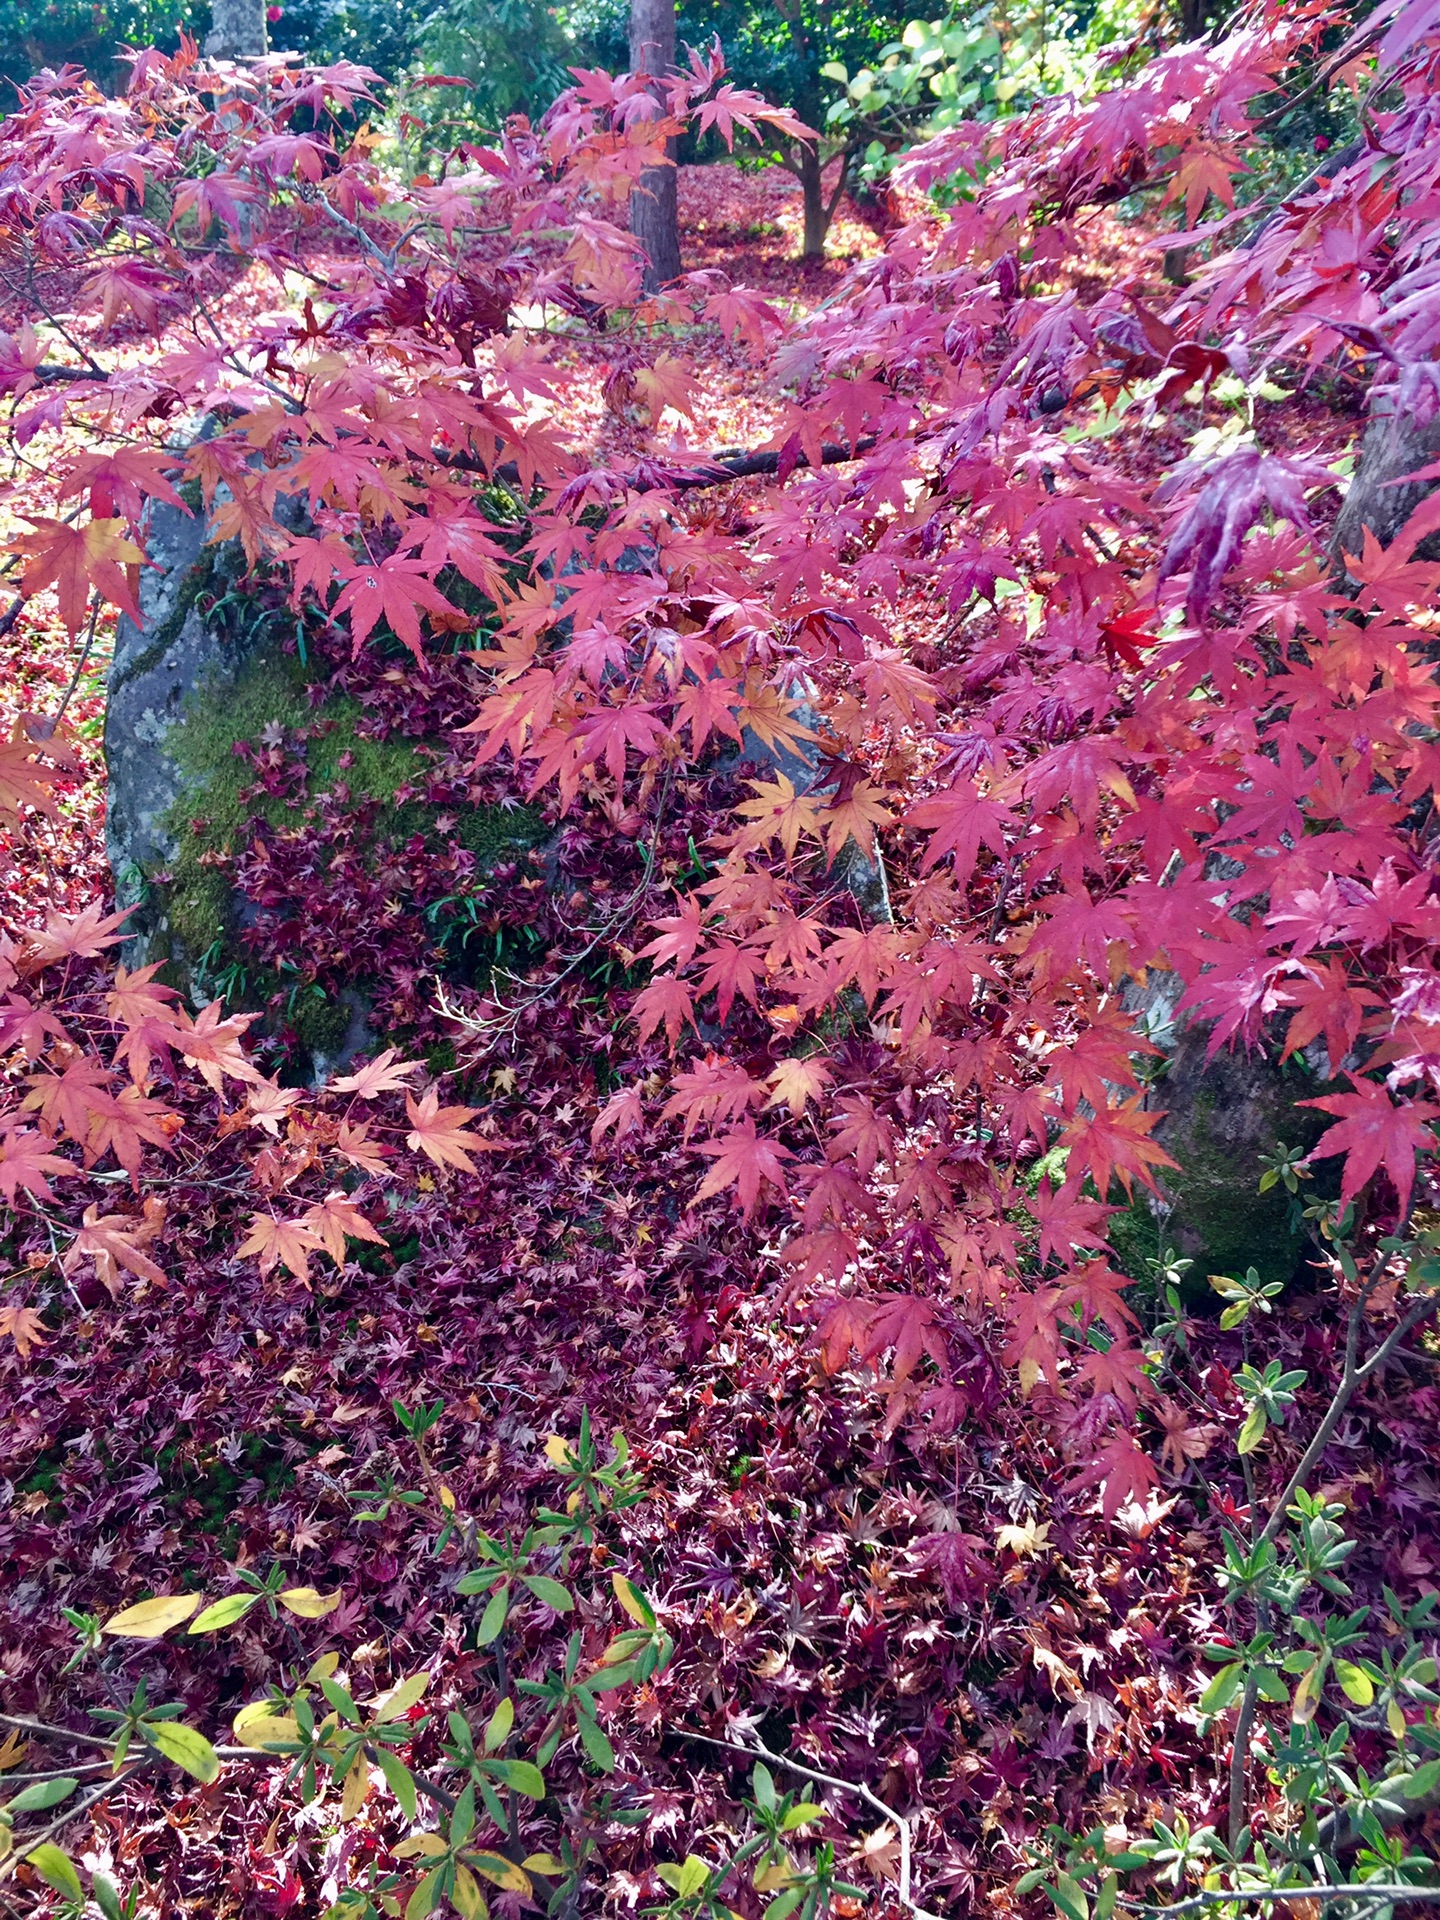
[[210, 674], [861, 874], [1221, 1116], [179, 657]]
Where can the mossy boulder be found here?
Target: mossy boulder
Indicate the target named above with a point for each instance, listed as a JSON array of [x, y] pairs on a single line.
[[1222, 1115], [216, 678]]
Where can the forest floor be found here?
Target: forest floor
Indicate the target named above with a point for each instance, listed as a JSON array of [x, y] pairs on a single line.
[[914, 1608]]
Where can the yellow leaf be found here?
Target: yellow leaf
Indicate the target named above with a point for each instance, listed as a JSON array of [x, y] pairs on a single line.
[[557, 1452], [1395, 1719], [796, 1082], [770, 1879], [420, 1846], [400, 1699], [503, 1872], [1024, 1541], [1355, 1683], [1307, 1695], [467, 1897], [307, 1603], [632, 1600], [262, 1723], [357, 1788], [322, 1668], [545, 1863], [151, 1618]]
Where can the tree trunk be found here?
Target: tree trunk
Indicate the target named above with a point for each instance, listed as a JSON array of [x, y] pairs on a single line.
[[1192, 18], [1394, 446], [238, 30], [812, 189], [654, 213]]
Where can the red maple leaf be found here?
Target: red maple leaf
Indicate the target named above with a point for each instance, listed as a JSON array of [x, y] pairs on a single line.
[[25, 1159], [964, 820], [1116, 1140], [393, 589], [76, 559], [1123, 1471], [1375, 1132], [746, 1161]]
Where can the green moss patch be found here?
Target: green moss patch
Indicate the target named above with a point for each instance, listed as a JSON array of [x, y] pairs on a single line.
[[271, 699]]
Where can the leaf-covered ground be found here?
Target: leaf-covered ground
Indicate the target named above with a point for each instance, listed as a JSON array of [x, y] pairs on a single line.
[[933, 1609]]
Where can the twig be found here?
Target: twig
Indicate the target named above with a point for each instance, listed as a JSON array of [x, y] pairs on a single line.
[[54, 1733], [713, 473], [55, 1773], [1240, 1756], [759, 1752], [80, 664], [1345, 1890], [33, 1840], [1351, 1378], [743, 465]]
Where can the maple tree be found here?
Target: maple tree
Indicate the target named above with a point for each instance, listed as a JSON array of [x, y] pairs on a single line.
[[899, 760]]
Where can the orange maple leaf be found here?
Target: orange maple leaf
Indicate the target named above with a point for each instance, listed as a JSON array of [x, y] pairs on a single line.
[[1114, 1141], [667, 384], [381, 1075], [73, 559], [276, 1242], [22, 782], [115, 1240], [355, 1144], [777, 812], [336, 1219], [25, 1327], [438, 1132], [72, 936], [1203, 171], [797, 1082], [855, 817], [213, 1045]]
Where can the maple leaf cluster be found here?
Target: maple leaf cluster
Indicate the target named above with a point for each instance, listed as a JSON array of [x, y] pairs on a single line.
[[1101, 727]]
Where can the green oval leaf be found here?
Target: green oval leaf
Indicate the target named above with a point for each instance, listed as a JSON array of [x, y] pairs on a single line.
[[224, 1613], [556, 1597], [1069, 1898], [596, 1745], [44, 1793], [519, 1775], [186, 1746], [57, 1868], [492, 1621], [424, 1899], [399, 1780], [497, 1728], [801, 1816], [1221, 1690], [106, 1896]]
